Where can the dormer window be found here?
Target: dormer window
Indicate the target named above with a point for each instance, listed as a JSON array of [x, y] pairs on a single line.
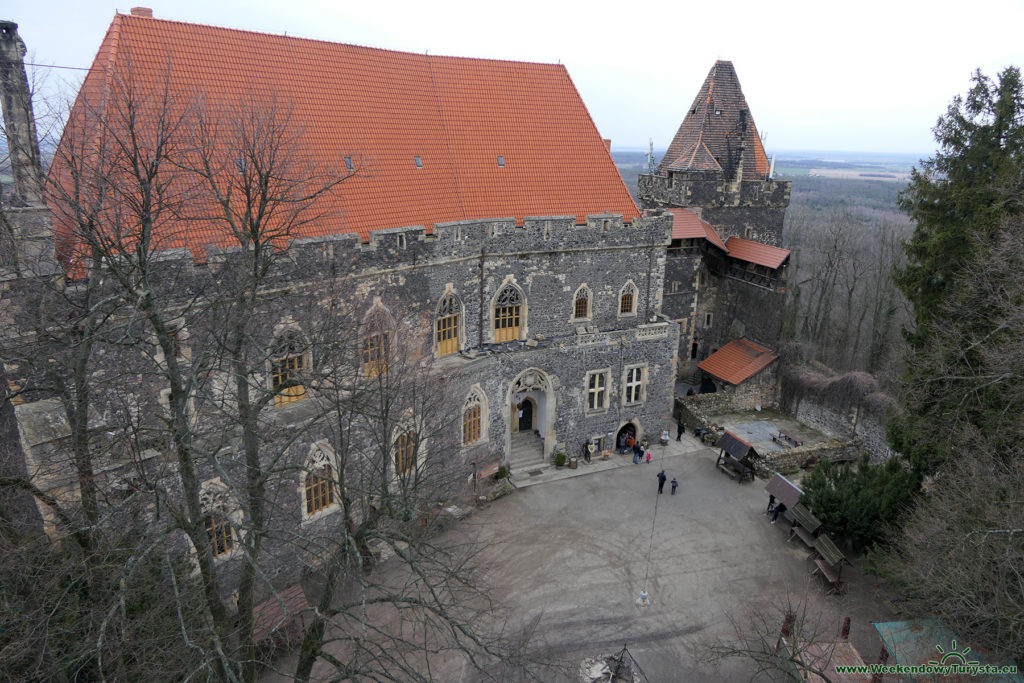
[[419, 162], [501, 162], [349, 165], [718, 112]]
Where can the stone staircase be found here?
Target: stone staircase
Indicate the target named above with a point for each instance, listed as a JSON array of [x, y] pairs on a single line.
[[527, 452]]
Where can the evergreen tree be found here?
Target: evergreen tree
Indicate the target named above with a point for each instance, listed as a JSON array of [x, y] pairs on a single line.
[[961, 194], [964, 201]]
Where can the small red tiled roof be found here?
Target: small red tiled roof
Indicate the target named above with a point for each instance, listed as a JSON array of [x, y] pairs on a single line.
[[424, 132], [688, 225], [715, 121], [755, 252], [737, 361]]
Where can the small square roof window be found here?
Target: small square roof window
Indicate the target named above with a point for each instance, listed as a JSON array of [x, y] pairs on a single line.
[[349, 165], [501, 161], [419, 162]]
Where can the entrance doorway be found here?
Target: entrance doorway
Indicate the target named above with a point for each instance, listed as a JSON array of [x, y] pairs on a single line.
[[526, 415], [627, 430]]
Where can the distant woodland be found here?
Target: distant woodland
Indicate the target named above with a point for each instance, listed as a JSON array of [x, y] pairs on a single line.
[[843, 308]]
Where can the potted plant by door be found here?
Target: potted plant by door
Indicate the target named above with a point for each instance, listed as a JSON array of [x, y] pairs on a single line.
[[560, 459]]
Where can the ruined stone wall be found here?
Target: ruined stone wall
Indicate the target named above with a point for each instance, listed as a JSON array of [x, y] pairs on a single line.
[[854, 424]]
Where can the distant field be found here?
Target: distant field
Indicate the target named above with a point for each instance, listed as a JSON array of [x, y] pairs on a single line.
[[859, 174]]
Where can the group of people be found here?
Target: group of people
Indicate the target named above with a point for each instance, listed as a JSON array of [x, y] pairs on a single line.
[[628, 442]]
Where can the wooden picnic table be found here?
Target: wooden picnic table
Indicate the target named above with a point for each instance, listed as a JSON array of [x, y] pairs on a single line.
[[806, 524], [790, 438]]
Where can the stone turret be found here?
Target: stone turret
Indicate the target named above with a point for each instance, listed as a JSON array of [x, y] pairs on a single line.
[[26, 233], [717, 166]]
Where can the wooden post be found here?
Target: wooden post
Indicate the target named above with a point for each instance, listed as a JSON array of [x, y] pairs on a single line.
[[883, 657]]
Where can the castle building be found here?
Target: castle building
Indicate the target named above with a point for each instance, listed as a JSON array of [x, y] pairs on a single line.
[[725, 274], [461, 211]]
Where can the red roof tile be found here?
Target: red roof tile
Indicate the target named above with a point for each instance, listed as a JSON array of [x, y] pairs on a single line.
[[714, 120], [755, 252], [688, 225], [384, 108], [737, 361]]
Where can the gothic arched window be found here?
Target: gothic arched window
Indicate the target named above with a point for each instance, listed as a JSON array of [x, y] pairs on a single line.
[[581, 303], [508, 309], [446, 329], [472, 414], [627, 299], [287, 366], [405, 453]]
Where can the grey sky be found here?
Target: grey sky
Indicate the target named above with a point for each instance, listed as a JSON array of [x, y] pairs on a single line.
[[867, 76]]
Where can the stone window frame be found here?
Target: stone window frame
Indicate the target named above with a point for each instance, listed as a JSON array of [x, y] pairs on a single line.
[[457, 309], [585, 294], [403, 431], [606, 375], [702, 277], [636, 386], [629, 288], [216, 501], [709, 319], [301, 357], [320, 454], [476, 398], [509, 284]]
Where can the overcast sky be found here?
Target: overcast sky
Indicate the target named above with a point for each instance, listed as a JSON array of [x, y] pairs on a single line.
[[862, 76]]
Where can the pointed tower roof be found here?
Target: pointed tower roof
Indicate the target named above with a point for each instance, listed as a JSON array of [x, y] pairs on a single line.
[[710, 136]]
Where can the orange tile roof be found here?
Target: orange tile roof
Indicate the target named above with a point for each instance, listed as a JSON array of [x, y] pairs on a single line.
[[737, 361], [718, 133], [755, 252], [688, 225], [383, 109]]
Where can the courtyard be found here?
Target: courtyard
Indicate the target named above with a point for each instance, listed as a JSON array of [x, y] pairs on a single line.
[[572, 554]]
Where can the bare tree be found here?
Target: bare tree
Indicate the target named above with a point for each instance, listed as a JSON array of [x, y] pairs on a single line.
[[214, 378]]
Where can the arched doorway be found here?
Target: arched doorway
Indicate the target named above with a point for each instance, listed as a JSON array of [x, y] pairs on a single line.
[[628, 429], [530, 419], [526, 410]]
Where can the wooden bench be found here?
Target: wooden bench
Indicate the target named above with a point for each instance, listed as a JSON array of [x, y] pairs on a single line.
[[829, 560], [736, 469]]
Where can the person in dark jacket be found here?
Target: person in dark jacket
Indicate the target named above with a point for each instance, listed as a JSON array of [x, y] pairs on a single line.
[[680, 429], [661, 481], [674, 485]]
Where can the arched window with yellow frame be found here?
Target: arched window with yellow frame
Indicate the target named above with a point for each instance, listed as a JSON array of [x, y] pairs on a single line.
[[446, 328], [508, 312], [287, 367]]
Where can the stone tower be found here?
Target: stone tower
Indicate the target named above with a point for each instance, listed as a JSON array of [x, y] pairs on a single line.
[[725, 269], [26, 233], [716, 166]]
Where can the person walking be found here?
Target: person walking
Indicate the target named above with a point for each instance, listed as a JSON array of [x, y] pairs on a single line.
[[661, 481], [771, 504], [674, 485], [636, 456], [680, 429]]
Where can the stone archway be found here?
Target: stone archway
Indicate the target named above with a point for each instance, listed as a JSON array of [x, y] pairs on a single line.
[[529, 418]]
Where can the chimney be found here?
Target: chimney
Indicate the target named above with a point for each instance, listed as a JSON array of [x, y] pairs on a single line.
[[607, 143], [142, 12], [22, 143]]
